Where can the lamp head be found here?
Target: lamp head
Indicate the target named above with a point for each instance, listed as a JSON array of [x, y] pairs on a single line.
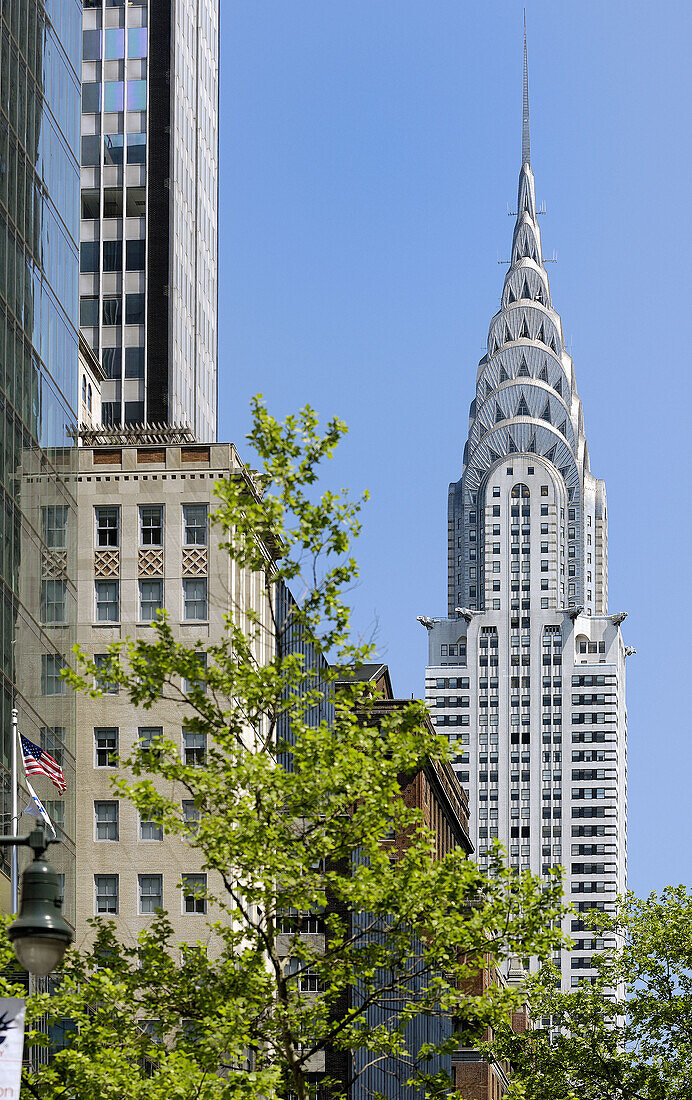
[[40, 935]]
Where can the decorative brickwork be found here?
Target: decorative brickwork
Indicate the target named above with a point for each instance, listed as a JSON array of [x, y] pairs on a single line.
[[107, 563], [53, 564], [195, 561], [150, 562]]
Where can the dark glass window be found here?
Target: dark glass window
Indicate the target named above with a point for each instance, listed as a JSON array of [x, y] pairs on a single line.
[[134, 309], [88, 312], [136, 148], [112, 311], [91, 203], [111, 359], [112, 202], [89, 256], [135, 253], [134, 362], [112, 255], [91, 149], [136, 202], [91, 46], [134, 412], [91, 98], [110, 412], [113, 148]]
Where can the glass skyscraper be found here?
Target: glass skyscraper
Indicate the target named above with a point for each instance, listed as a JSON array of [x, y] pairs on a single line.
[[39, 233], [148, 282]]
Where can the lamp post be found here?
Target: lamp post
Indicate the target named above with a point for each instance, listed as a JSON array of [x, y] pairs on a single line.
[[40, 935]]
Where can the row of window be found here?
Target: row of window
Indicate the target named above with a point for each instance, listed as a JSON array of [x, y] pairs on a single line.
[[151, 525], [106, 744], [149, 893], [107, 821], [90, 260], [107, 600], [112, 311]]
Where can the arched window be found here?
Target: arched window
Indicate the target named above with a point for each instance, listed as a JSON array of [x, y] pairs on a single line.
[[84, 389], [89, 398], [521, 490]]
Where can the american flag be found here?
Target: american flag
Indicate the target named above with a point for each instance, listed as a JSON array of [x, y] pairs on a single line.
[[39, 762]]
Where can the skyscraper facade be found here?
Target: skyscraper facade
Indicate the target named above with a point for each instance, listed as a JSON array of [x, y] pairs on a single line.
[[39, 233], [526, 675], [149, 225]]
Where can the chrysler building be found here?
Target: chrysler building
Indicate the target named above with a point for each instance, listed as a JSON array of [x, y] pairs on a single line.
[[526, 675]]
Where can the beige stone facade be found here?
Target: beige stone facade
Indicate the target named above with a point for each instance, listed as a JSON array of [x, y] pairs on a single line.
[[145, 540]]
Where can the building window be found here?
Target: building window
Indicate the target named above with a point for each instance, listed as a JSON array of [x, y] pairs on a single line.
[[106, 746], [135, 255], [108, 687], [194, 893], [106, 820], [134, 309], [194, 747], [107, 601], [195, 524], [147, 737], [106, 893], [151, 525], [52, 665], [107, 526], [54, 526], [150, 893], [150, 599], [195, 598], [150, 830], [191, 816], [197, 683], [53, 595], [134, 362]]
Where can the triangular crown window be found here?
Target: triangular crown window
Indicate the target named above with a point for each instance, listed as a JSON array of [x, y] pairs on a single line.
[[511, 445], [558, 386], [545, 415], [522, 407], [499, 415], [523, 371], [525, 330], [544, 373], [503, 375], [511, 297], [550, 455]]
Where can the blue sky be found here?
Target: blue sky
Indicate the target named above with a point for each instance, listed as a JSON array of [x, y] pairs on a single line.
[[369, 155]]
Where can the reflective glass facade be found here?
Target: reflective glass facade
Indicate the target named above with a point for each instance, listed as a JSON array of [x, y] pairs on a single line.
[[148, 256], [39, 232]]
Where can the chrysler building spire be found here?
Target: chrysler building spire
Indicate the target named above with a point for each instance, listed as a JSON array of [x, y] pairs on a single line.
[[525, 133], [526, 675]]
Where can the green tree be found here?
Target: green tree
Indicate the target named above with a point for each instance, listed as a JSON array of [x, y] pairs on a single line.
[[626, 1035], [294, 816]]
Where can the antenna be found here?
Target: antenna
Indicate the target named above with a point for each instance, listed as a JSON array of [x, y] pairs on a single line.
[[525, 135]]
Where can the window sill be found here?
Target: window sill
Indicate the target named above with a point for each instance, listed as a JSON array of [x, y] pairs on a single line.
[[108, 623]]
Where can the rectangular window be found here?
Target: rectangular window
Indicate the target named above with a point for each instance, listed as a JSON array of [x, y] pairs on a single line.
[[194, 747], [136, 148], [134, 309], [151, 525], [53, 595], [54, 526], [136, 95], [194, 893], [89, 256], [113, 146], [106, 893], [113, 94], [106, 746], [137, 42], [112, 256], [134, 362], [107, 601], [195, 524], [111, 359], [198, 682], [150, 830], [195, 598], [112, 311], [150, 600], [135, 255], [102, 662], [106, 820], [107, 526], [52, 665], [191, 816], [147, 737], [150, 893]]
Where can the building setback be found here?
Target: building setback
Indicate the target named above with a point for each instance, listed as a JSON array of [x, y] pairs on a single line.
[[149, 221], [527, 674]]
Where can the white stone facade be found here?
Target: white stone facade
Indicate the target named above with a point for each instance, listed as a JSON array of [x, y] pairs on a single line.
[[527, 674]]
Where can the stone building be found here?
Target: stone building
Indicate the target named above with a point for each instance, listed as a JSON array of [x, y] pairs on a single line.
[[145, 542], [526, 675]]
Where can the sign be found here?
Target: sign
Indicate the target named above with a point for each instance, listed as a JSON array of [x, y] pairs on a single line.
[[12, 1011]]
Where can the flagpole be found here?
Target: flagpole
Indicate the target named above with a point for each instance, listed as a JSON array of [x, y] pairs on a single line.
[[15, 814]]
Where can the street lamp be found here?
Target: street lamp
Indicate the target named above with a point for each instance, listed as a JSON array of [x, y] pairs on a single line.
[[40, 935]]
